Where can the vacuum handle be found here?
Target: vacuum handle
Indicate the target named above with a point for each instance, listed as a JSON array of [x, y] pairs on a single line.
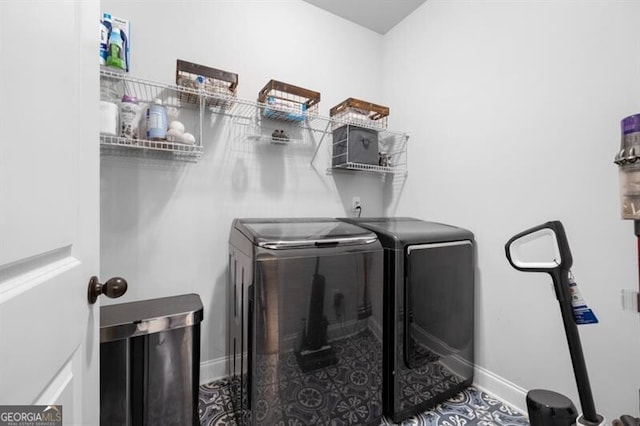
[[559, 268], [562, 260]]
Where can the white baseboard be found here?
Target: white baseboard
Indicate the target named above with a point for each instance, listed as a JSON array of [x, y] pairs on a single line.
[[500, 388], [213, 369]]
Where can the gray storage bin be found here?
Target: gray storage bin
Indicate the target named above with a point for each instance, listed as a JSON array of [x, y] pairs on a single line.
[[150, 362], [354, 144]]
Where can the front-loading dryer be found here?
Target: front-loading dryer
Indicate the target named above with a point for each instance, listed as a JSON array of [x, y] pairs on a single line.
[[428, 312]]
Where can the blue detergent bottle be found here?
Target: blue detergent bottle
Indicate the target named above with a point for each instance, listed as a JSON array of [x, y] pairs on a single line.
[[157, 121]]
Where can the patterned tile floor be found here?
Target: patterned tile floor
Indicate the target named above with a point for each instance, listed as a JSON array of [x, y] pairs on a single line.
[[469, 408], [345, 392]]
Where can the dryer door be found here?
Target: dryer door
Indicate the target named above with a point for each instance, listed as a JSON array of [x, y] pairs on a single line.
[[439, 292]]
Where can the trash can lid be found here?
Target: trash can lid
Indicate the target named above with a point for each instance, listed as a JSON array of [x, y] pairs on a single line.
[[127, 320]]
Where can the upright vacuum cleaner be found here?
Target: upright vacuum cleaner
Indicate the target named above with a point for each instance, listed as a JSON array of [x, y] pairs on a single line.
[[548, 408], [316, 351]]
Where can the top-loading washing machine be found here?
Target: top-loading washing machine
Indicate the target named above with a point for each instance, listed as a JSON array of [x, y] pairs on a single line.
[[428, 312], [305, 322]]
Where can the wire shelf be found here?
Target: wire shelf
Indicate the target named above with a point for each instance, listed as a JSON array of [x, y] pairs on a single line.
[[250, 110], [276, 140], [114, 85], [172, 95], [392, 146], [391, 153], [283, 112], [177, 150], [145, 90], [366, 168], [242, 110]]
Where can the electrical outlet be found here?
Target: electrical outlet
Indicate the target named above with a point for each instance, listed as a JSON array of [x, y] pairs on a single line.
[[355, 204]]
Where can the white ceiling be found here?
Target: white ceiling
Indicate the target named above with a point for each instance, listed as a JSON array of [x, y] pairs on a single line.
[[377, 15]]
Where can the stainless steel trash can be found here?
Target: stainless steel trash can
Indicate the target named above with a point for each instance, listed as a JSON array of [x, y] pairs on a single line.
[[150, 362]]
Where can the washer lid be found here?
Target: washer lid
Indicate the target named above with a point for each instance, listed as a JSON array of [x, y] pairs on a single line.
[[293, 233]]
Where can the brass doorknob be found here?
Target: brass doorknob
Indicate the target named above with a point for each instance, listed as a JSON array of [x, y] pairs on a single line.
[[114, 287]]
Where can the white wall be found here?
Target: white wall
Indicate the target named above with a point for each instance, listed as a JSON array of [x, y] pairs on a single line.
[[164, 224], [514, 111], [513, 108]]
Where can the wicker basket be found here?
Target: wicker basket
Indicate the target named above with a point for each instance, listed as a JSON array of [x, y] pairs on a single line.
[[362, 113], [218, 86], [287, 102]]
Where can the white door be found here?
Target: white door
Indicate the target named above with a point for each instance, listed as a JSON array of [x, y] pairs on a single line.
[[49, 205]]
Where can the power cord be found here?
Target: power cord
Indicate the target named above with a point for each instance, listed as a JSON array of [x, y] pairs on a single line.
[[359, 210]]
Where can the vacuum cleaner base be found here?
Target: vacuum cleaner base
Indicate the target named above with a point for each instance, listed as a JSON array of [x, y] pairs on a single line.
[[601, 421], [312, 360]]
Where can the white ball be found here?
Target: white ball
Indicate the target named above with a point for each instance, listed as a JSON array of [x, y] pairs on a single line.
[[176, 125], [188, 138], [174, 135]]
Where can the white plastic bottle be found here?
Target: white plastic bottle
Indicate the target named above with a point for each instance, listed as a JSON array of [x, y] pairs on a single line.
[[157, 121], [129, 118]]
